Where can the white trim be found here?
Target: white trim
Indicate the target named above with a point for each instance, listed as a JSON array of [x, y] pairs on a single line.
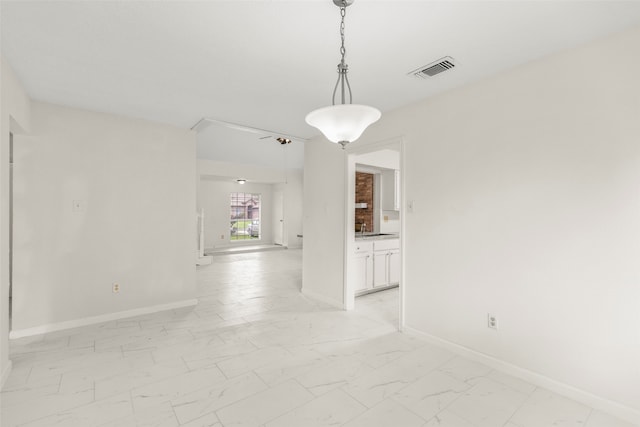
[[370, 147], [5, 374], [322, 298], [617, 409], [204, 260], [348, 296], [403, 227], [202, 123], [69, 324]]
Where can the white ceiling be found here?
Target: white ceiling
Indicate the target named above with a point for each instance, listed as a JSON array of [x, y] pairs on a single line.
[[265, 63]]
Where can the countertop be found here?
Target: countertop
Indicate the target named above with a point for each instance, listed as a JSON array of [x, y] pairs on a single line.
[[376, 236]]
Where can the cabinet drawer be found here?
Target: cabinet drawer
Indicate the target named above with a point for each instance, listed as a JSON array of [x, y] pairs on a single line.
[[363, 247], [386, 244]]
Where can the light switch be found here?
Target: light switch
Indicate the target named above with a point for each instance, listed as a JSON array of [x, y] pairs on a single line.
[[79, 206]]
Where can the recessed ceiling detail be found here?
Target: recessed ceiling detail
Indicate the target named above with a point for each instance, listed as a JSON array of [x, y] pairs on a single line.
[[434, 68], [204, 122]]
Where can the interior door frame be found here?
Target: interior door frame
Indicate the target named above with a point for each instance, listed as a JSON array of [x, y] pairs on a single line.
[[278, 220], [349, 239], [11, 184]]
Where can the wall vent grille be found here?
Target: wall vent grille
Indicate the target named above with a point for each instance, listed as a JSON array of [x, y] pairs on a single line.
[[434, 68]]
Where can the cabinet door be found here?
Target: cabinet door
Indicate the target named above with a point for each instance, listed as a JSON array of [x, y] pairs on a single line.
[[394, 267], [380, 276], [363, 272]]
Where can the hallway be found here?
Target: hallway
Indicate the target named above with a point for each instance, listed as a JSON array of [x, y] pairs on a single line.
[[256, 352]]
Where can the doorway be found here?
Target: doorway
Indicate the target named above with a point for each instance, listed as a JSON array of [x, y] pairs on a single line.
[[10, 229], [374, 255], [278, 216]]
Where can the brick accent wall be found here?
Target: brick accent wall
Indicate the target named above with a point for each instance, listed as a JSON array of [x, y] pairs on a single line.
[[364, 194]]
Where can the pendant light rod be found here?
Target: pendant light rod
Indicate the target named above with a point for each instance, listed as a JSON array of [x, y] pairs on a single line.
[[343, 68], [342, 79]]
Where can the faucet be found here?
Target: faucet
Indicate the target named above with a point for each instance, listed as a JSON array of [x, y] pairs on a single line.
[[363, 228]]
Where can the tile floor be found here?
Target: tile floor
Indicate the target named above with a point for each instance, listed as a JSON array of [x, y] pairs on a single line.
[[255, 352]]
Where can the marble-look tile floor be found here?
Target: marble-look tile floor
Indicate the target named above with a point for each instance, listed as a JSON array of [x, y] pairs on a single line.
[[256, 352]]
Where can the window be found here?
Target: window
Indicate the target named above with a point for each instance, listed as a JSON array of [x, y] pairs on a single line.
[[245, 216]]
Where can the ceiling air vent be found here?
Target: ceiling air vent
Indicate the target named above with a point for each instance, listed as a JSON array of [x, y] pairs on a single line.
[[437, 67]]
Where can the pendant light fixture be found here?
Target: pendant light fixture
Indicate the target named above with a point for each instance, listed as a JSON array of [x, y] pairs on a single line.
[[343, 123]]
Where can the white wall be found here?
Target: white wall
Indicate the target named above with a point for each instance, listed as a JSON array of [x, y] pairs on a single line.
[[525, 192], [392, 222], [324, 213], [15, 112], [290, 181], [137, 228]]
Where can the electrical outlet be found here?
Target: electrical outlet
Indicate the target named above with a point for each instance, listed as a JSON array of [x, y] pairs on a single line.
[[222, 237], [115, 288], [492, 321]]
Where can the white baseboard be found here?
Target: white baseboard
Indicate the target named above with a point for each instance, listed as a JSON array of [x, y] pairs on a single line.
[[204, 260], [5, 374], [76, 323], [617, 409], [323, 298]]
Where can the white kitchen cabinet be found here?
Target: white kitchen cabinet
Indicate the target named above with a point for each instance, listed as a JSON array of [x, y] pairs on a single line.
[[362, 267], [380, 268], [394, 266], [376, 264], [391, 190], [386, 268]]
